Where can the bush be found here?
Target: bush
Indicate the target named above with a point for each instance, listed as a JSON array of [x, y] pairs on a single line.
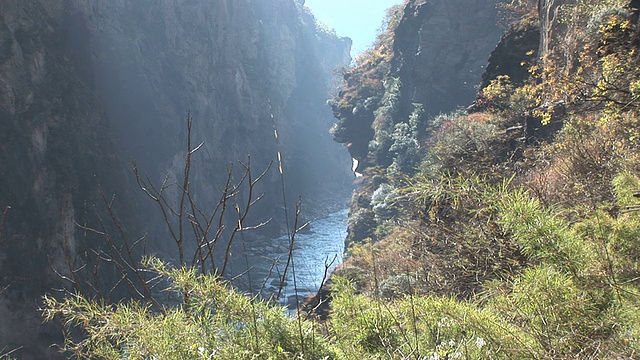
[[579, 166], [382, 202], [214, 321], [420, 327], [471, 144]]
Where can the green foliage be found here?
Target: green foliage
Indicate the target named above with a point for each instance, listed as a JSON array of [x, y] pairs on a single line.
[[529, 251], [446, 242], [382, 202], [591, 64], [551, 309], [420, 327], [585, 10], [542, 235], [384, 124], [499, 92], [517, 10], [364, 327], [5, 355], [625, 185], [406, 143], [540, 281], [502, 97], [578, 302], [588, 152], [365, 89], [214, 321], [586, 285], [498, 249], [464, 136], [598, 68]]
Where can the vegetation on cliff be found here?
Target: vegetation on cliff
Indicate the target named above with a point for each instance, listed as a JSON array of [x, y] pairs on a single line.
[[367, 98], [509, 231], [521, 207]]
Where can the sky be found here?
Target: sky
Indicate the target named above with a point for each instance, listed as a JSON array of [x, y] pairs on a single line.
[[356, 19]]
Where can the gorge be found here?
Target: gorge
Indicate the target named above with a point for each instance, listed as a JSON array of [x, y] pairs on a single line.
[[175, 172]]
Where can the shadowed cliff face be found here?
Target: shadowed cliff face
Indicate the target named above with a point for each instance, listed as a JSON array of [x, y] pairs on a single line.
[[441, 49], [52, 149], [86, 86], [232, 64], [517, 47]]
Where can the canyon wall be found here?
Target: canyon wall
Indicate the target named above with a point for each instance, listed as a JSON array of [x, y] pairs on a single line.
[[441, 49], [429, 61], [86, 86]]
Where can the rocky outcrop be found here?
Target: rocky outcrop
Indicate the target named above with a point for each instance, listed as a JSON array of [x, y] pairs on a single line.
[[516, 51], [86, 86], [434, 64], [440, 51], [52, 149], [550, 26]]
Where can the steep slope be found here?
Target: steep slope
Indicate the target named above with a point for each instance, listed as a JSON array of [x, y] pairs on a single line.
[[232, 64], [52, 145], [441, 49], [428, 61], [524, 207], [86, 86]]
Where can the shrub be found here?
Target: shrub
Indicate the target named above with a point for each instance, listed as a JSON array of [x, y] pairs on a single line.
[[579, 166], [552, 309], [215, 322], [542, 234], [420, 327], [471, 144], [382, 201], [595, 66]]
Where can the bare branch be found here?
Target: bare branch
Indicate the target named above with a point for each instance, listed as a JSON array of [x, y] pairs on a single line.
[[292, 242], [254, 227]]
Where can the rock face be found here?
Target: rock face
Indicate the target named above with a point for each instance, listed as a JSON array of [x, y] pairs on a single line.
[[550, 27], [52, 144], [232, 64], [516, 49], [441, 49], [435, 62], [85, 86]]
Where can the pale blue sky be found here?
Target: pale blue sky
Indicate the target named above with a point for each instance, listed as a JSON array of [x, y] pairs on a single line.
[[357, 19]]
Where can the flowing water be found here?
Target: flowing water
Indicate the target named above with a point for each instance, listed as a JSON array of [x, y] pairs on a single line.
[[315, 250]]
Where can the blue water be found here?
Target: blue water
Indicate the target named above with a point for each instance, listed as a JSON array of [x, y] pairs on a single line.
[[321, 246]]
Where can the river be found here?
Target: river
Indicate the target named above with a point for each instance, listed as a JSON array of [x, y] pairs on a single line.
[[322, 245]]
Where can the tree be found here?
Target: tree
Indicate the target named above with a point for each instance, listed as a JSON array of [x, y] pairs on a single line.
[[210, 318], [603, 73]]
